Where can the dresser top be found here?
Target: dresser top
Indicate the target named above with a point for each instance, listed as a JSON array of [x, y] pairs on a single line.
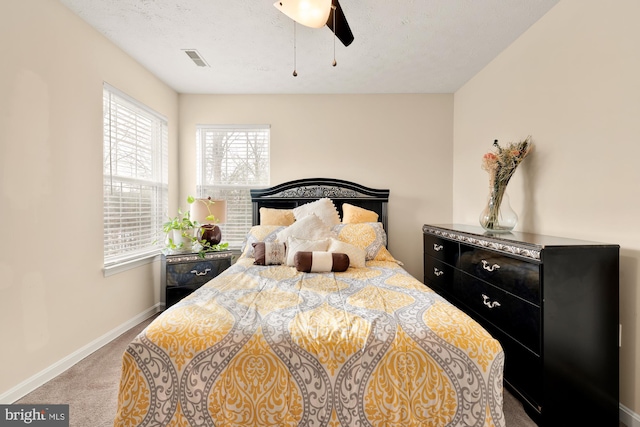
[[528, 245], [515, 237]]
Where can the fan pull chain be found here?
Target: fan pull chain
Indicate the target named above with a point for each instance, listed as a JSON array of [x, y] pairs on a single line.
[[334, 35], [295, 73]]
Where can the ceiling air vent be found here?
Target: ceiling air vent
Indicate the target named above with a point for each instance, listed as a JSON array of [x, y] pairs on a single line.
[[195, 57]]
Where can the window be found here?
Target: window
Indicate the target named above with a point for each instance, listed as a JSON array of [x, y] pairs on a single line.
[[230, 161], [135, 179]]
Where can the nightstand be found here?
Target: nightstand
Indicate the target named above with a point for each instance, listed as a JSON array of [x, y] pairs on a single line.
[[184, 273]]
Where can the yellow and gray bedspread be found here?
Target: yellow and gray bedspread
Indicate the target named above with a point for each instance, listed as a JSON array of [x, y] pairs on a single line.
[[270, 346]]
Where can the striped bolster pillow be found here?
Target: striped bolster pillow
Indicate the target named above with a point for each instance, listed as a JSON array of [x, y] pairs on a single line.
[[318, 261]]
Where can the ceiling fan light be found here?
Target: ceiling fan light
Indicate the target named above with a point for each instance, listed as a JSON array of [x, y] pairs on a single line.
[[311, 13]]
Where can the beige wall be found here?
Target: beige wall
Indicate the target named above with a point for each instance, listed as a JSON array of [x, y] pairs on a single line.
[[53, 296], [399, 142], [572, 82]]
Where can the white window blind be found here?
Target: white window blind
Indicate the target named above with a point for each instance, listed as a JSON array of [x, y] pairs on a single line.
[[135, 179], [231, 160]]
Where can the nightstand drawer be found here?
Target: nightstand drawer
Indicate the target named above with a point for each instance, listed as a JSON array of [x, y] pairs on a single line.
[[184, 273], [442, 249], [176, 293], [518, 318], [194, 273], [437, 274], [515, 276]]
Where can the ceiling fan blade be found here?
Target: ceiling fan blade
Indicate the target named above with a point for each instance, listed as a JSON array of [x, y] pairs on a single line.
[[342, 30]]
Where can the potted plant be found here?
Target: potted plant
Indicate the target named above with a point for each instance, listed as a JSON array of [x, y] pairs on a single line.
[[180, 231], [183, 234]]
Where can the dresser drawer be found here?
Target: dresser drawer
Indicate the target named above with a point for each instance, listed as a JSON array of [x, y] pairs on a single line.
[[516, 317], [437, 274], [522, 369], [515, 276], [442, 249], [194, 273]]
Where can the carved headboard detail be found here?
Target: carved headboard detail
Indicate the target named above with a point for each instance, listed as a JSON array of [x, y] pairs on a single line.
[[291, 194]]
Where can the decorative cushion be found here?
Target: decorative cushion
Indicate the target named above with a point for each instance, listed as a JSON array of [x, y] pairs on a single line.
[[355, 214], [322, 208], [296, 245], [318, 262], [357, 256], [309, 228], [269, 253], [260, 233], [368, 236], [269, 216]]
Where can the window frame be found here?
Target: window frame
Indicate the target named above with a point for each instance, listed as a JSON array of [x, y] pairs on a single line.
[[142, 243], [203, 189]]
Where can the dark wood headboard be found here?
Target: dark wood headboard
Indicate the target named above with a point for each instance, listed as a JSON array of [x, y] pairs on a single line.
[[291, 194]]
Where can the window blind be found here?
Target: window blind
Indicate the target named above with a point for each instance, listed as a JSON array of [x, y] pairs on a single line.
[[135, 191], [230, 161]]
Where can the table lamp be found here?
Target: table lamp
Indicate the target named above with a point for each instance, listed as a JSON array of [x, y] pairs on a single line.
[[208, 213]]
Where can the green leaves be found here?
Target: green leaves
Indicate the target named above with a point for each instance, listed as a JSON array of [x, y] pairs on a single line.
[[207, 247], [183, 222]]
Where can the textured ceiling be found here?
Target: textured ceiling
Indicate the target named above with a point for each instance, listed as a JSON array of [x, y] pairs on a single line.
[[400, 46]]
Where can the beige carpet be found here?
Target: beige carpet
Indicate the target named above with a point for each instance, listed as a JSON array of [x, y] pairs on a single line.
[[91, 388]]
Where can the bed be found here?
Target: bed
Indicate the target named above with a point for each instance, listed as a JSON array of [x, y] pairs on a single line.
[[274, 345]]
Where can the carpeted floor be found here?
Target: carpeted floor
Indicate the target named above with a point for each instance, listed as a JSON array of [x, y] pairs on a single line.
[[91, 388]]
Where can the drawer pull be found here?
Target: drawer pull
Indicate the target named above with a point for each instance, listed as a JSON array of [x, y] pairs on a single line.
[[198, 273], [437, 272], [437, 247], [490, 304], [488, 267]]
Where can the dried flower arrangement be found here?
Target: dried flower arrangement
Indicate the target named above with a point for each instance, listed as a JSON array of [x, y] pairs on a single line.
[[501, 165]]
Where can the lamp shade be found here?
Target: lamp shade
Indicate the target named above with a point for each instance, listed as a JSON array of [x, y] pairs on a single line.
[[312, 13], [208, 211]]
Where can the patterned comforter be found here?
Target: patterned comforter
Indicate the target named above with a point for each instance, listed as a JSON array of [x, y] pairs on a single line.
[[270, 346]]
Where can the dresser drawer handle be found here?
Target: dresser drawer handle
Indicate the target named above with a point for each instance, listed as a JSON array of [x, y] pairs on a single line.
[[198, 273], [437, 247], [437, 272], [488, 267], [490, 304]]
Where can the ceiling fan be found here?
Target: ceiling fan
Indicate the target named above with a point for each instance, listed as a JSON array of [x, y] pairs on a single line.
[[317, 14]]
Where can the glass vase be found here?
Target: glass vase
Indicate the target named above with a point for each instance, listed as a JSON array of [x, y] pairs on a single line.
[[497, 216]]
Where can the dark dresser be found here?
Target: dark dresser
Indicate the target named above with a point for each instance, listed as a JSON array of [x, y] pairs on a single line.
[[553, 305], [184, 273]]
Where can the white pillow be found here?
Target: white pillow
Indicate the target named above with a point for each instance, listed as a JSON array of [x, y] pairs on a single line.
[[295, 245], [357, 256], [308, 228], [322, 208]]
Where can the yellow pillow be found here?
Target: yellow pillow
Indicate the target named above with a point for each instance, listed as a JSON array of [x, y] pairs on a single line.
[[370, 237], [353, 214], [269, 216]]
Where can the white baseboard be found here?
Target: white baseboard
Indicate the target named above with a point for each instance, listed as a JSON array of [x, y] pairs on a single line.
[[62, 365], [628, 417]]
